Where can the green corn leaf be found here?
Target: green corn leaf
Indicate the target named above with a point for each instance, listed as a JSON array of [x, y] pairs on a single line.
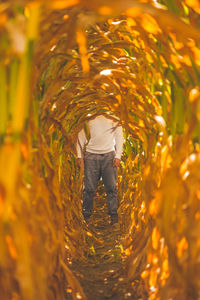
[[3, 101]]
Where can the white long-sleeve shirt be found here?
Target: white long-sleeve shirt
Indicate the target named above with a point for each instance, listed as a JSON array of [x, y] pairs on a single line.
[[105, 136]]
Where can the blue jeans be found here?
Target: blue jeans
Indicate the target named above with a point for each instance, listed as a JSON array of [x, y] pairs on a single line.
[[95, 167]]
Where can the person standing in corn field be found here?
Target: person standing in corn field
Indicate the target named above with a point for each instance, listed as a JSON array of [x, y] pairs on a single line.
[[99, 155]]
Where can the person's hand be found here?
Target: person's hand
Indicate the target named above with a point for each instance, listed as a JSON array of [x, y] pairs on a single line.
[[80, 163], [116, 162]]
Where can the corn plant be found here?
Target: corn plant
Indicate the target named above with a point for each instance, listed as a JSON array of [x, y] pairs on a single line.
[[137, 63]]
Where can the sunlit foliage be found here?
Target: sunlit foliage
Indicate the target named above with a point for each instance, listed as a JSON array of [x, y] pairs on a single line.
[[137, 62]]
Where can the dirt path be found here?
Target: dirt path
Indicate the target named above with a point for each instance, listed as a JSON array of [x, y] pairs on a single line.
[[101, 276]]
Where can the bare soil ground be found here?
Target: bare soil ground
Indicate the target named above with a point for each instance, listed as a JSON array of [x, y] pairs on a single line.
[[102, 275]]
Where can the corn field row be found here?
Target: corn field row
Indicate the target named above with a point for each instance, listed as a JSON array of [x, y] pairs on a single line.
[[61, 63]]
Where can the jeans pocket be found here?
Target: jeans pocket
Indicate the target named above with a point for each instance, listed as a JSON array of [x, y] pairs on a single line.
[[111, 155], [88, 155]]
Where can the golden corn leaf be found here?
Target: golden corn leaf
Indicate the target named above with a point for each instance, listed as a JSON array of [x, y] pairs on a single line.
[[155, 238], [61, 4], [182, 245], [150, 24], [81, 40]]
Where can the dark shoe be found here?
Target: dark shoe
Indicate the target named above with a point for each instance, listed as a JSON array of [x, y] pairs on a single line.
[[87, 219], [114, 219]]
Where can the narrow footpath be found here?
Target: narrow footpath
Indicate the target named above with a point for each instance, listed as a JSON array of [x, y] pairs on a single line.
[[101, 275]]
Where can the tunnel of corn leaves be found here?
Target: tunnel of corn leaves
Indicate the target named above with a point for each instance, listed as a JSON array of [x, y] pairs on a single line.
[[61, 64]]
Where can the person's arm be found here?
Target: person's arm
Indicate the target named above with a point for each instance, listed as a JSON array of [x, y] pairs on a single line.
[[118, 133], [79, 147]]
